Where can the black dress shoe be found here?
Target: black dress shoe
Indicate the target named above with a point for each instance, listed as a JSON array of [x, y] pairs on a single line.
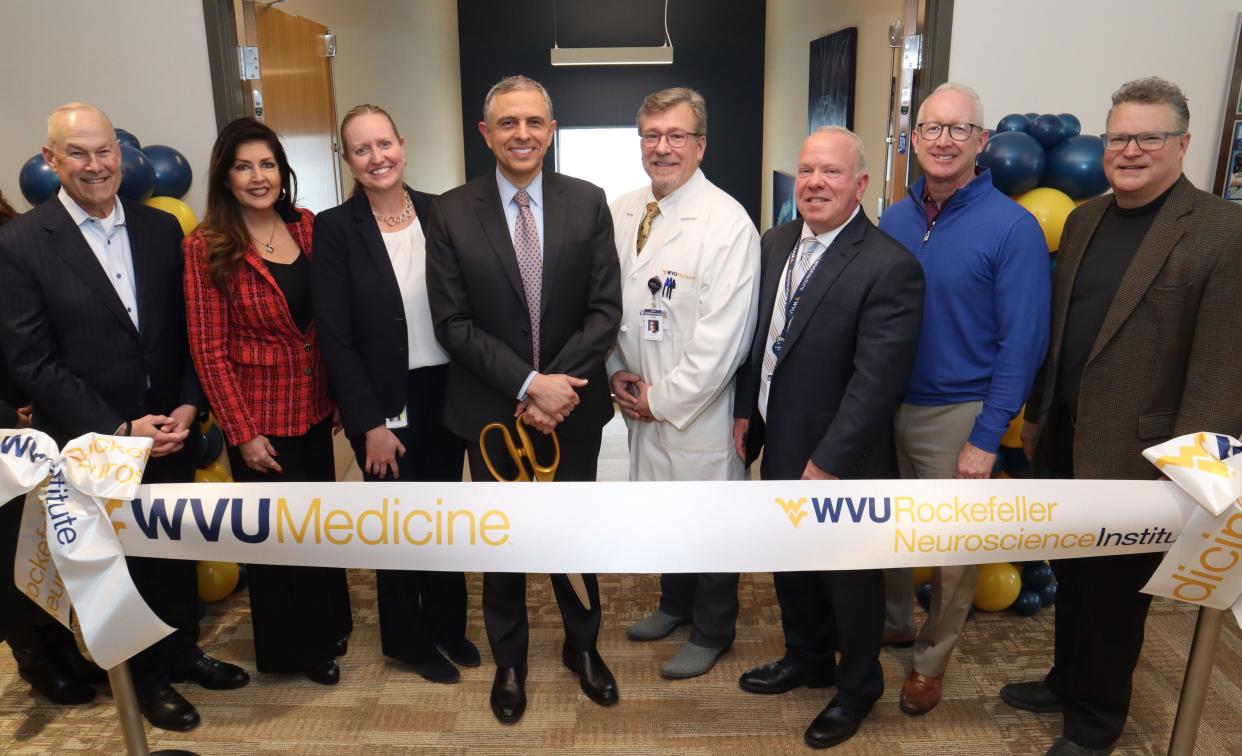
[[462, 652], [168, 710], [71, 659], [509, 694], [328, 673], [593, 675], [1032, 696], [834, 725], [782, 676], [1065, 747], [342, 646], [436, 669], [211, 673], [49, 680]]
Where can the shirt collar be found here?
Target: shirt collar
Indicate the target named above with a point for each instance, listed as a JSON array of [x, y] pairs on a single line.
[[80, 216], [508, 190], [672, 198], [825, 239]]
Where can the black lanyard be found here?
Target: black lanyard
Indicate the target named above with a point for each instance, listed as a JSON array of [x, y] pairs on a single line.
[[792, 299]]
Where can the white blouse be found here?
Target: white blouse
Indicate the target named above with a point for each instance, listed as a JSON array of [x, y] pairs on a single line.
[[407, 249]]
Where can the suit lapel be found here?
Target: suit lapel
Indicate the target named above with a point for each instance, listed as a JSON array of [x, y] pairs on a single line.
[[492, 220], [1166, 230], [782, 243], [368, 228], [66, 238], [555, 216], [831, 264]]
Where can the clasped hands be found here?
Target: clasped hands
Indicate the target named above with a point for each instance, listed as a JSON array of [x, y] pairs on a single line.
[[549, 400], [169, 432], [630, 391]]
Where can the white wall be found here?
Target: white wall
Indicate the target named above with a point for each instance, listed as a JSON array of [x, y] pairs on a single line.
[[791, 26], [402, 56], [143, 61], [1067, 56]]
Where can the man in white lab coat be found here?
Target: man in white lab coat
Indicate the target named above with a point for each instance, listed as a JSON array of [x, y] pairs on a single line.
[[689, 258]]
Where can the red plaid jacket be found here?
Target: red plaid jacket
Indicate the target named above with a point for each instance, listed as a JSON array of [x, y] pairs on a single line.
[[260, 373]]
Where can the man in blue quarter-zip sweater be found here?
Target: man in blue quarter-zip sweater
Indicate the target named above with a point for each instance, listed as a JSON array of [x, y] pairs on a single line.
[[985, 331]]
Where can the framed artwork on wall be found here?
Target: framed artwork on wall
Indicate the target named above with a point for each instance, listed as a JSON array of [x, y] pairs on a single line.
[[784, 207], [1228, 182], [834, 61]]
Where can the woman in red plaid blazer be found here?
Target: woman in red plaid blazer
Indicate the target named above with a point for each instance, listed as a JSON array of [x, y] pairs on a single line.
[[249, 316]]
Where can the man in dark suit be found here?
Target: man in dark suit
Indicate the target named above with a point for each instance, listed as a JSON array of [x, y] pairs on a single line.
[[92, 323], [525, 294], [840, 307], [1146, 331]]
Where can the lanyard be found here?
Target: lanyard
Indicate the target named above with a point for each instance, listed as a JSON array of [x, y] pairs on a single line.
[[792, 300]]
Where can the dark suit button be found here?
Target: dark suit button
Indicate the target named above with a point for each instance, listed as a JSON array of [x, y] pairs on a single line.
[[399, 320], [306, 346], [308, 371], [401, 348]]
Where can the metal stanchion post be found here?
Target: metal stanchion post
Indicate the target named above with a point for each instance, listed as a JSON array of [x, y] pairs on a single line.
[[1195, 684], [132, 729]]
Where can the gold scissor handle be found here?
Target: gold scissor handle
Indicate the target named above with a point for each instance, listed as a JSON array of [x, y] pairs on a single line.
[[520, 456]]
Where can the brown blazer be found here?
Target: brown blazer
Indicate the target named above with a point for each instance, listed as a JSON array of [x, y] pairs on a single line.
[[1165, 362]]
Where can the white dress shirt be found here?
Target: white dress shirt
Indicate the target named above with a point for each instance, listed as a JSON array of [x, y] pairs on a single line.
[[109, 240]]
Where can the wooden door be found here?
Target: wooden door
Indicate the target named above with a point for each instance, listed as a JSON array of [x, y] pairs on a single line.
[[297, 99]]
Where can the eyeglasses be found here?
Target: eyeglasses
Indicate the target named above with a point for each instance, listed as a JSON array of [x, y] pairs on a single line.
[[958, 132], [1148, 141], [675, 139]]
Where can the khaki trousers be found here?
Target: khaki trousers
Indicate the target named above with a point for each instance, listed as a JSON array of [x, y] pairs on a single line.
[[928, 442]]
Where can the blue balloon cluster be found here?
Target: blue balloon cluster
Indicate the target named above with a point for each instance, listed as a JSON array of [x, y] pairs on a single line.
[[156, 170], [1030, 150], [1039, 589]]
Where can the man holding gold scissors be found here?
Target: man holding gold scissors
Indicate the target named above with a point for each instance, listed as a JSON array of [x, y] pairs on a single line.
[[690, 278], [525, 295]]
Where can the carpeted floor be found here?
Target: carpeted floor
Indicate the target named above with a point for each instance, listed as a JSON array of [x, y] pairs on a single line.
[[381, 707]]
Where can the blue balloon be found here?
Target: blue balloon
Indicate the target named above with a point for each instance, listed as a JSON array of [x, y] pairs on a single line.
[[923, 594], [173, 175], [124, 137], [137, 175], [1073, 126], [37, 180], [1016, 161], [1032, 116], [1027, 603], [1036, 575], [1076, 167], [1013, 122], [1048, 130], [1048, 594]]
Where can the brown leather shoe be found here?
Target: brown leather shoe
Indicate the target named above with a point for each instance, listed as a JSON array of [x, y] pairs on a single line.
[[921, 693]]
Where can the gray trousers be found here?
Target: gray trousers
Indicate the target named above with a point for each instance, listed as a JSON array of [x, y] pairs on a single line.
[[928, 442]]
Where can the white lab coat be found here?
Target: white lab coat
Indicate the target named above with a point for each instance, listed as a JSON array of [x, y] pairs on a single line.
[[706, 242]]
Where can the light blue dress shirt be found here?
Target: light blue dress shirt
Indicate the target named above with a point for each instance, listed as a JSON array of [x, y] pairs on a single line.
[[507, 193], [109, 240]]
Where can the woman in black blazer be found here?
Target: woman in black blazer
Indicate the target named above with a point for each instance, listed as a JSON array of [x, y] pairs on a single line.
[[388, 373]]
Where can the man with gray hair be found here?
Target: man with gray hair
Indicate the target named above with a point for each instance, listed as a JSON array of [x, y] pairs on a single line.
[[985, 330], [689, 280], [840, 304], [1146, 331]]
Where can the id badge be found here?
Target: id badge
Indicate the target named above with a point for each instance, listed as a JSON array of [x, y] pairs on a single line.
[[400, 421], [653, 324]]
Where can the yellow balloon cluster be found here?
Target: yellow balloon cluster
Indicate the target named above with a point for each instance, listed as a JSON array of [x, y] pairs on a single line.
[[178, 209], [998, 586], [217, 580], [1050, 207]]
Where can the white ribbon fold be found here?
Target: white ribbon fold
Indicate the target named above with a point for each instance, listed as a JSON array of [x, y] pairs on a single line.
[[76, 534], [1205, 566]]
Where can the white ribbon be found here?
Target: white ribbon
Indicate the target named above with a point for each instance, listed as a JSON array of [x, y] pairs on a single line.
[[1205, 567], [93, 474]]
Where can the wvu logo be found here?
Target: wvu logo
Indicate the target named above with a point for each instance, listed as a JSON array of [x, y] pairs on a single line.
[[110, 506], [1196, 458], [793, 509]]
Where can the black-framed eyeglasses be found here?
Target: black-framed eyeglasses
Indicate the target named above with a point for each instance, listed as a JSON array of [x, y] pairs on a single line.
[[958, 132], [675, 139], [1148, 141]]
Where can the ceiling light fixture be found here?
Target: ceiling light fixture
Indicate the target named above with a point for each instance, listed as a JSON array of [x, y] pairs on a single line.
[[612, 56]]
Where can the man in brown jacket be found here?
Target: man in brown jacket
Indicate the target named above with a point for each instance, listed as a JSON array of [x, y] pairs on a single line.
[[1146, 330]]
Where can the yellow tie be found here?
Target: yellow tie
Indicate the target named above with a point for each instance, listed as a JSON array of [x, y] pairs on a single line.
[[644, 229]]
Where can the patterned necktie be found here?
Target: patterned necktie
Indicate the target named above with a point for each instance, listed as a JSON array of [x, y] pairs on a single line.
[[530, 263], [644, 229], [801, 264]]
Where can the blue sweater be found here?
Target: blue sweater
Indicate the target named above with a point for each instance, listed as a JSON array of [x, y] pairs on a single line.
[[985, 316]]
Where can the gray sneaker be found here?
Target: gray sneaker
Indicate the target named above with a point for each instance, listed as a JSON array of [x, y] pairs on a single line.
[[691, 661], [655, 626]]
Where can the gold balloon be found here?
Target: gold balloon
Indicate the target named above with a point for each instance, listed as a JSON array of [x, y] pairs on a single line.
[[922, 575], [998, 586], [219, 469], [1013, 436], [178, 209], [1050, 207], [216, 580], [207, 475]]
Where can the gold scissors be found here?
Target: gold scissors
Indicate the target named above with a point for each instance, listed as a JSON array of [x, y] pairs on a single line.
[[523, 456]]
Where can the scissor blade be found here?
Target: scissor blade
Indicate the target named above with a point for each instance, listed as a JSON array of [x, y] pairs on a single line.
[[579, 585]]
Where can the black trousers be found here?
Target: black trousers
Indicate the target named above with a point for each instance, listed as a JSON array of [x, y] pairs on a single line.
[[1100, 620], [826, 612], [418, 609], [170, 588], [31, 632], [709, 599], [504, 593], [298, 613]]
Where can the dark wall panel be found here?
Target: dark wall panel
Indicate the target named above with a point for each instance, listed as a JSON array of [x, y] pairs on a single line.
[[718, 50]]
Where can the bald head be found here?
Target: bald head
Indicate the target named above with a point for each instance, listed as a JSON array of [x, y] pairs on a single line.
[[73, 115], [82, 149]]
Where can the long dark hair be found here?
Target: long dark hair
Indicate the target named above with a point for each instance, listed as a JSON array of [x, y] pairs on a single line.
[[7, 213], [223, 229]]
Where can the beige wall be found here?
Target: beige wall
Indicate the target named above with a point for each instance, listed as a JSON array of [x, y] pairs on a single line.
[[402, 56], [1067, 56], [143, 61], [791, 26]]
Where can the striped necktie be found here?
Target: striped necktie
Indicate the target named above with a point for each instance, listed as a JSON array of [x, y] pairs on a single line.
[[530, 263], [809, 247]]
